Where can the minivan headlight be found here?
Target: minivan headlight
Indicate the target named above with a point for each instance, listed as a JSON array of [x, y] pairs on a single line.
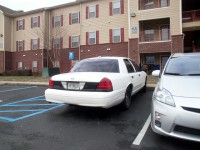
[[164, 96]]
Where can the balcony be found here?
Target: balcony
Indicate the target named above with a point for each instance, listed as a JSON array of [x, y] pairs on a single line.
[[151, 4], [190, 16], [151, 35]]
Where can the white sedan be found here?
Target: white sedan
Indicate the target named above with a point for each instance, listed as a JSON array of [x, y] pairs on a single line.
[[98, 82]]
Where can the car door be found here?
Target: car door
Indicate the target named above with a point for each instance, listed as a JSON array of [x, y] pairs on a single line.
[[132, 74], [140, 81]]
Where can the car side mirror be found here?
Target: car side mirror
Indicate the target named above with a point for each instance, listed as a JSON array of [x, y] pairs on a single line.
[[156, 73]]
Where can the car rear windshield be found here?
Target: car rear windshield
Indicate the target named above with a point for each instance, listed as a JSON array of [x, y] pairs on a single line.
[[186, 65], [97, 65]]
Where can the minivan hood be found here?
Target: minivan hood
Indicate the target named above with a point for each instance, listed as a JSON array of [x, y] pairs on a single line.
[[182, 86]]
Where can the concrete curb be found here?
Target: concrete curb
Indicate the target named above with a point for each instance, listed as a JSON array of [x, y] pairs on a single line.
[[24, 83]]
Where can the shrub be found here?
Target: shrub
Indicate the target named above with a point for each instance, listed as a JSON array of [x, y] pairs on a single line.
[[18, 73]]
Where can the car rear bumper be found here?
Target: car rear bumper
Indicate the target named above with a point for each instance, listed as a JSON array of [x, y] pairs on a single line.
[[175, 121], [92, 99]]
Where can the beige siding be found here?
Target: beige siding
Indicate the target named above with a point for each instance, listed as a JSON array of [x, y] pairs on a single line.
[[173, 12], [7, 33], [101, 24], [29, 33]]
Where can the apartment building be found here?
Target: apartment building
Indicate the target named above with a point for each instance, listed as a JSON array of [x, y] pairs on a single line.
[[147, 31]]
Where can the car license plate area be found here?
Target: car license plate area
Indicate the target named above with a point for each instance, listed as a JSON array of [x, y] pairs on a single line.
[[75, 85]]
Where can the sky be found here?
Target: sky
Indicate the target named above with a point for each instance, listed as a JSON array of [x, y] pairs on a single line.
[[27, 5]]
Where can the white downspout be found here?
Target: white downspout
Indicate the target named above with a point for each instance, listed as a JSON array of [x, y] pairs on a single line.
[[80, 29], [129, 28]]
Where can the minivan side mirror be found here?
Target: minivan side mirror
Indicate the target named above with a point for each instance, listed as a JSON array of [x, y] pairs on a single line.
[[156, 73]]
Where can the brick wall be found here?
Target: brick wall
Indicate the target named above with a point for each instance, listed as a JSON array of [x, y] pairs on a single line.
[[134, 50], [177, 44], [155, 47], [27, 57], [8, 60], [117, 49], [1, 62]]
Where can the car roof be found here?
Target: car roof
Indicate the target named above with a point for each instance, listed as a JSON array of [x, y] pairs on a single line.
[[108, 57], [186, 54]]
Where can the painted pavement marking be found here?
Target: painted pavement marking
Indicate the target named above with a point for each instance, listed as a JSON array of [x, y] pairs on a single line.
[[18, 89], [138, 139], [32, 112]]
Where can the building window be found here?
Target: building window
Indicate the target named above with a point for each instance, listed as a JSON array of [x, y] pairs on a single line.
[[116, 8], [34, 66], [20, 24], [92, 11], [57, 21], [148, 4], [56, 43], [75, 18], [75, 41], [35, 22], [92, 38], [34, 44], [165, 33], [116, 35], [20, 45], [19, 65], [150, 60], [149, 34], [164, 3]]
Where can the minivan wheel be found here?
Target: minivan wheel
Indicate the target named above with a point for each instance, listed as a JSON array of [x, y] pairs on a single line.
[[127, 100]]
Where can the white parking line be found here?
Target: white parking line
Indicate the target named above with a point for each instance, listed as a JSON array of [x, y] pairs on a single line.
[[138, 139]]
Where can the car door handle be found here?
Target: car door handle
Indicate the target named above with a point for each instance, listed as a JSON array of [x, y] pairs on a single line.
[[132, 76], [139, 74]]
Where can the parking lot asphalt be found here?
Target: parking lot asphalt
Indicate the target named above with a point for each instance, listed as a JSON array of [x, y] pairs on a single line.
[[27, 121]]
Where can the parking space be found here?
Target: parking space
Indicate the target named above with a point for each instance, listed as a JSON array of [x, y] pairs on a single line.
[[27, 121]]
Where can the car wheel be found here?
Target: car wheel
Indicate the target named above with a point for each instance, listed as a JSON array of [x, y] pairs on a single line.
[[127, 99], [144, 89]]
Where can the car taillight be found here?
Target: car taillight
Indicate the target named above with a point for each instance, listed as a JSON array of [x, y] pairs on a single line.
[[51, 84], [105, 85]]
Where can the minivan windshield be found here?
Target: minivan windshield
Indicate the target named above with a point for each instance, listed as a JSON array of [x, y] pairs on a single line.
[[184, 66], [97, 65]]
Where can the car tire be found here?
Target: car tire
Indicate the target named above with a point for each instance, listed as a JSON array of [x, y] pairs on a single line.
[[127, 99], [144, 89]]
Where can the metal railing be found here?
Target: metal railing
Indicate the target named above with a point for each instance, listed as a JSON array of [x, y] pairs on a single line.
[[154, 35], [189, 16], [144, 5]]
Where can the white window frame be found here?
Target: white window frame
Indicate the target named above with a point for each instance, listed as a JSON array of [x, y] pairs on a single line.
[[34, 44], [20, 45], [20, 24], [116, 8], [20, 65], [164, 32], [35, 22], [149, 4], [150, 32], [92, 38], [92, 11], [75, 41], [56, 43], [75, 19], [34, 66], [116, 34], [57, 21], [164, 3]]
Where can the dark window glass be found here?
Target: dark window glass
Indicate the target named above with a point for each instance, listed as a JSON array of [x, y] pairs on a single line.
[[137, 68], [129, 66], [97, 65]]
